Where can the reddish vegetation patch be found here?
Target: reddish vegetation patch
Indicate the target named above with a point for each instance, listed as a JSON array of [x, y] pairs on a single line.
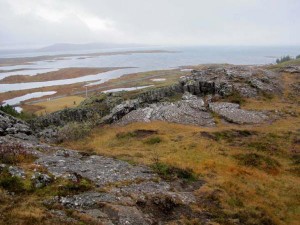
[[61, 74], [14, 154]]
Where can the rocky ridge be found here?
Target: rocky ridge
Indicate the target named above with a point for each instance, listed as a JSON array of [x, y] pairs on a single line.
[[14, 127], [213, 82], [208, 84]]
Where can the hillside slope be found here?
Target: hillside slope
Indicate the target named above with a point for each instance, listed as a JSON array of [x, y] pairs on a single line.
[[221, 146]]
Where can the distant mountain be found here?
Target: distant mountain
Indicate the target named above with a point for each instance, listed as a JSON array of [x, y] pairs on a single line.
[[90, 46]]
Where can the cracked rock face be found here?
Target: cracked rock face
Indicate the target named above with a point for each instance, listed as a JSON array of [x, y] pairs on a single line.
[[40, 180], [232, 113], [223, 80], [137, 197], [185, 112], [14, 127], [99, 169]]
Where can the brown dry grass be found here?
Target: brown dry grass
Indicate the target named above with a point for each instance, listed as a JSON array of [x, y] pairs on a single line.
[[185, 148], [275, 193]]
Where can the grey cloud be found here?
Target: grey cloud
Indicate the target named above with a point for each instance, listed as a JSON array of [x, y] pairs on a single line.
[[185, 22]]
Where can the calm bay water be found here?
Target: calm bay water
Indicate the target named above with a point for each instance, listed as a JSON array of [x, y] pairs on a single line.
[[141, 62]]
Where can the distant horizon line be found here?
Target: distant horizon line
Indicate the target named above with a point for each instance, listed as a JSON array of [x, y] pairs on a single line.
[[138, 45]]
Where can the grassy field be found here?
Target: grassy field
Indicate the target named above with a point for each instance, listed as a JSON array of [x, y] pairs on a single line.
[[58, 104], [251, 172]]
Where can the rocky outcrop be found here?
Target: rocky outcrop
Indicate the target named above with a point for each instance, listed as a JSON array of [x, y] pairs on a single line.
[[98, 106], [290, 69], [232, 113], [62, 117], [224, 80], [159, 94], [211, 83], [121, 110], [98, 169], [219, 81], [137, 194], [190, 112], [14, 127]]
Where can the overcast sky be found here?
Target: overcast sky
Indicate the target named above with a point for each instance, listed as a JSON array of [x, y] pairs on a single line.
[[179, 22]]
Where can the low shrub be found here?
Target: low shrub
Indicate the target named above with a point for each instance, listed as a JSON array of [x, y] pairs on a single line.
[[251, 216], [236, 97], [267, 95], [296, 159], [153, 140], [295, 170], [125, 135], [10, 110], [228, 135], [73, 131], [11, 184], [140, 133], [170, 172], [72, 187], [258, 161], [14, 154]]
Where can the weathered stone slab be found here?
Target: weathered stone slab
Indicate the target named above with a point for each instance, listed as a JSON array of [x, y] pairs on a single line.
[[232, 113], [190, 112], [99, 169]]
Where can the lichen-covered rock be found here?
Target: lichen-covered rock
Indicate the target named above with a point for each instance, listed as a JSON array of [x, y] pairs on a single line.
[[88, 200], [14, 127], [232, 113], [40, 180], [16, 172], [61, 118], [224, 80], [124, 215], [185, 112], [188, 96], [2, 167], [99, 169]]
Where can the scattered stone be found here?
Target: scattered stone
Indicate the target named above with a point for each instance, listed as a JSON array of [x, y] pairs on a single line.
[[40, 180], [16, 172], [188, 96], [2, 167]]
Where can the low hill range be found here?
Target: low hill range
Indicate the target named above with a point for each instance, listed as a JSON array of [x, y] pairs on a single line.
[[81, 47]]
